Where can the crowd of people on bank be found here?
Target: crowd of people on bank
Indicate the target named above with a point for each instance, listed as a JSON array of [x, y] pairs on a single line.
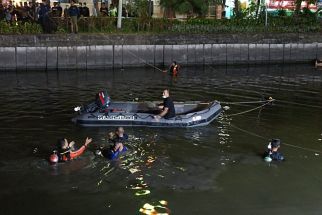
[[45, 14]]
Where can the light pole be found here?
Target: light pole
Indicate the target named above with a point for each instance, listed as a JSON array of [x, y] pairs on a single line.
[[266, 4], [149, 8], [119, 15]]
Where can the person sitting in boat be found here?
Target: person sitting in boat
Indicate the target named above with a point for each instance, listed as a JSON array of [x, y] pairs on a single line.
[[273, 151], [167, 107], [66, 151]]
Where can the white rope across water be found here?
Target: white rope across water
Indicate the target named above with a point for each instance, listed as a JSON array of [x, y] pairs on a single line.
[[286, 144], [250, 110], [135, 55], [249, 102], [143, 61]]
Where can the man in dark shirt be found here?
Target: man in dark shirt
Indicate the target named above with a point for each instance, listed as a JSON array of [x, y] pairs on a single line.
[[85, 10], [104, 9], [168, 110], [80, 9]]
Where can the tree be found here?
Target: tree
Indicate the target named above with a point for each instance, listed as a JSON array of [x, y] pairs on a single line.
[[198, 7]]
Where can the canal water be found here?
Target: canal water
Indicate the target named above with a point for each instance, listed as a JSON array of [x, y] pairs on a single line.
[[217, 169]]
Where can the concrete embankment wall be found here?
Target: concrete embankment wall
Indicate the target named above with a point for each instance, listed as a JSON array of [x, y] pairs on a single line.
[[106, 51]]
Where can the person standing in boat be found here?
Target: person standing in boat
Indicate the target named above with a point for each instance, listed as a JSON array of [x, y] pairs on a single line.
[[167, 107]]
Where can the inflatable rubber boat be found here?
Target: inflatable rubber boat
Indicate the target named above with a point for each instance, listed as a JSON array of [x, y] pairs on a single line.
[[103, 112]]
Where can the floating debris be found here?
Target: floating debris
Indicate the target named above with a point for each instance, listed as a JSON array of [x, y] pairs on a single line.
[[143, 192], [226, 107]]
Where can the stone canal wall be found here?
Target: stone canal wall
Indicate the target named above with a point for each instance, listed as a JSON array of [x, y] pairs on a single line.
[[107, 51]]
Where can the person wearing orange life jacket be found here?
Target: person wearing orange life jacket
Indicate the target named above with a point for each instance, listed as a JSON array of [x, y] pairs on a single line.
[[174, 69], [66, 151]]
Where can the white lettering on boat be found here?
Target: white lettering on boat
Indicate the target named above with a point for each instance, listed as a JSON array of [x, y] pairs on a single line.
[[196, 118], [121, 117]]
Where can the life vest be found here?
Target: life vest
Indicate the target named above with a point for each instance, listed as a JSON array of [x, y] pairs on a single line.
[[68, 155], [64, 155], [174, 70]]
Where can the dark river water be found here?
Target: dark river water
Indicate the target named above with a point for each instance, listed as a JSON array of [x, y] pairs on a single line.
[[217, 169]]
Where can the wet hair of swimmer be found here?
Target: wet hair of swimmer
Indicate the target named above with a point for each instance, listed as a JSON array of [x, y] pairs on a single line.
[[275, 143], [61, 143]]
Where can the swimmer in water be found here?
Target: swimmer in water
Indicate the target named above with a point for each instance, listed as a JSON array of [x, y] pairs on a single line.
[[116, 139], [273, 152], [66, 150]]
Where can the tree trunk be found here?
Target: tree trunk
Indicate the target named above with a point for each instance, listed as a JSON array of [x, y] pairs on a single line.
[[298, 6], [257, 8], [169, 13], [236, 9], [218, 11]]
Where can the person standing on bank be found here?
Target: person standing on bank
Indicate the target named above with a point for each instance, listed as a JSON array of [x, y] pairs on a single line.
[[167, 107], [73, 13]]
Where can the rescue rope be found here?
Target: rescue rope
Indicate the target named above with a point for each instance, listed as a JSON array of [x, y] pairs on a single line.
[[247, 111], [286, 144], [249, 102], [143, 61], [139, 58]]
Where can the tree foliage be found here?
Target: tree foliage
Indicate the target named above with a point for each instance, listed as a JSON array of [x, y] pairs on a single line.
[[190, 7]]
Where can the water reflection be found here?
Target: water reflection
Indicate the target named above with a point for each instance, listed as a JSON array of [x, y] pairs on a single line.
[[159, 208]]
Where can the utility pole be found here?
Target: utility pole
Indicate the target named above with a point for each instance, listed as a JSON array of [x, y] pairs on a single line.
[[149, 8], [266, 15], [119, 15]]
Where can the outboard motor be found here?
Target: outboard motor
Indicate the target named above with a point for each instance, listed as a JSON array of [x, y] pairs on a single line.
[[101, 103], [103, 100]]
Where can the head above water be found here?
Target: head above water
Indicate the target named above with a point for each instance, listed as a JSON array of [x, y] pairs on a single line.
[[275, 143], [119, 131], [166, 93], [110, 135], [62, 143]]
